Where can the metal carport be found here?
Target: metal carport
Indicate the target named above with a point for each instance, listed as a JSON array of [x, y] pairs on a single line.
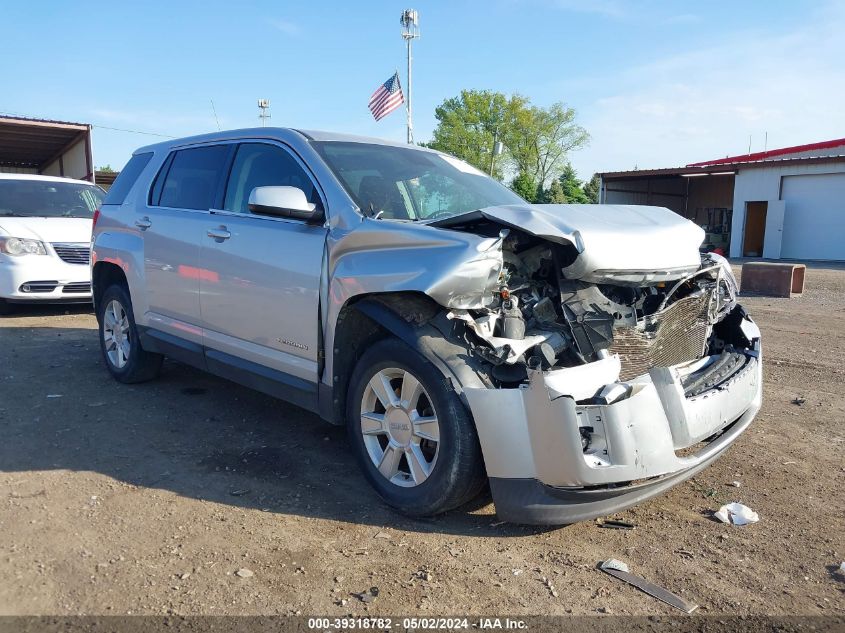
[[39, 146]]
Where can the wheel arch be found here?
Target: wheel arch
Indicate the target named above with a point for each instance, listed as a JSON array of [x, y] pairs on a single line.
[[103, 275], [413, 318]]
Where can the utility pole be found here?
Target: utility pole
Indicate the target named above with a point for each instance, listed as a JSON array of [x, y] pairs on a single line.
[[410, 31], [263, 114], [497, 149]]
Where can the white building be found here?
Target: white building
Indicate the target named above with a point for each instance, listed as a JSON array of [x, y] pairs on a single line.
[[780, 204]]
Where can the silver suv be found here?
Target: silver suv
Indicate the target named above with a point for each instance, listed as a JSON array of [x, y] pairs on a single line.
[[579, 358]]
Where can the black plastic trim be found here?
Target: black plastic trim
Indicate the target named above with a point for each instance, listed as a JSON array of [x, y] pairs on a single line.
[[531, 502], [175, 347], [427, 340], [273, 382]]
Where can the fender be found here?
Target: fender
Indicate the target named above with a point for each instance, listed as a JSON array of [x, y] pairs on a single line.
[[122, 248]]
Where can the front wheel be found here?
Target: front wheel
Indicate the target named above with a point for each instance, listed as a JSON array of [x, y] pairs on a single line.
[[125, 359], [412, 436]]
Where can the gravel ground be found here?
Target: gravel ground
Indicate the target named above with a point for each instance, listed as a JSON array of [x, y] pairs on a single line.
[[191, 495]]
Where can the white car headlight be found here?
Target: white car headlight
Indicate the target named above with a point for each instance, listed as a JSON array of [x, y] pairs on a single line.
[[21, 246]]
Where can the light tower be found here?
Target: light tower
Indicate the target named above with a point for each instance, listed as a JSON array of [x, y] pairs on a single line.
[[263, 111], [410, 21]]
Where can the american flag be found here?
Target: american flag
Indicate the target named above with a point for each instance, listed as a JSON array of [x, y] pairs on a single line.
[[386, 98]]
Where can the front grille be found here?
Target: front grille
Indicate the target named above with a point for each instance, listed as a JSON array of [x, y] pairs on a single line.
[[77, 287], [675, 335], [73, 253], [39, 286]]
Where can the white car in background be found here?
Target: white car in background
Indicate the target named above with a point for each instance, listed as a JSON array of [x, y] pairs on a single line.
[[45, 239]]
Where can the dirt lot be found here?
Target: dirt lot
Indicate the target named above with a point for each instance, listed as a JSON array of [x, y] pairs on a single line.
[[149, 498]]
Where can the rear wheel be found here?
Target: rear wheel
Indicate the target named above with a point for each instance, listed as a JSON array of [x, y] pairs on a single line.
[[125, 359], [412, 436]]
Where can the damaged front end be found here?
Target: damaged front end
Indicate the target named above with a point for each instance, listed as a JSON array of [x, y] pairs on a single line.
[[609, 384]]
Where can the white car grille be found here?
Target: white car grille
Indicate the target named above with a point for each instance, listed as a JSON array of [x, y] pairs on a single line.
[[75, 253]]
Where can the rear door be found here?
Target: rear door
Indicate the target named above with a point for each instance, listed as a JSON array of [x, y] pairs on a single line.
[[259, 293], [172, 224]]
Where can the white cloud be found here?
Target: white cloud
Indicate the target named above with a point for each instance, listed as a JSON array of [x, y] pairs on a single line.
[[285, 26], [683, 18], [616, 9], [609, 8], [703, 104]]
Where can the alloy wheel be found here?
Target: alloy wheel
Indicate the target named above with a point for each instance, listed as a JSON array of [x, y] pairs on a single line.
[[116, 334], [400, 427]]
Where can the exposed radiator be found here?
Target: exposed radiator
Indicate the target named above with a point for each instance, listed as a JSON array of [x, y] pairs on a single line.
[[676, 335]]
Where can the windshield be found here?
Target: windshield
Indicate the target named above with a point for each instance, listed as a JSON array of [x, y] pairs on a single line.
[[399, 183], [48, 199]]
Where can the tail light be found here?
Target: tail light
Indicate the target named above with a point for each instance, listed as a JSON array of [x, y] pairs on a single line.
[[96, 217]]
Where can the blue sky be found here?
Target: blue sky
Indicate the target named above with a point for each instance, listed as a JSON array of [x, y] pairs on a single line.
[[656, 83]]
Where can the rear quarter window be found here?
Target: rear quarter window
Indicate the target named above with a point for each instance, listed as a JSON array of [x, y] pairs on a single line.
[[126, 179]]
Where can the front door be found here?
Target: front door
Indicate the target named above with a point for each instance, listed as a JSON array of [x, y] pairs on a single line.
[[260, 294], [755, 229]]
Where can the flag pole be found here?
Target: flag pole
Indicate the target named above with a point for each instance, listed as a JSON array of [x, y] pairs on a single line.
[[410, 24], [410, 113]]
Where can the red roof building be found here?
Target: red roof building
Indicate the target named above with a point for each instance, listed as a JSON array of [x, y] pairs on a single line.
[[786, 203]]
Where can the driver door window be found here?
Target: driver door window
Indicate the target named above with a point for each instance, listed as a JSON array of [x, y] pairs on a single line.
[[262, 165]]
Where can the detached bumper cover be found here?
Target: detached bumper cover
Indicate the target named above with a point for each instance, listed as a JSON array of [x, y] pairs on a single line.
[[639, 445]]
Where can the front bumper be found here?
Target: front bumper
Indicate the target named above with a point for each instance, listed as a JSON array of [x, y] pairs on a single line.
[[641, 443], [72, 281]]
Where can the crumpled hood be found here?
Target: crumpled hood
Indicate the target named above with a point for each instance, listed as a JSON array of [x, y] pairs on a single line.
[[48, 229], [615, 243]]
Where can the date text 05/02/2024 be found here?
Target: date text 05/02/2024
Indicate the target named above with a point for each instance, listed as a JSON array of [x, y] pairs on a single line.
[[415, 624]]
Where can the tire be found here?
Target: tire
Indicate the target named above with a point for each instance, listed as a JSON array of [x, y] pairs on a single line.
[[125, 359], [6, 307], [421, 477]]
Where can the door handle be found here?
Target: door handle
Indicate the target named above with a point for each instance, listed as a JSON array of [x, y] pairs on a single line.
[[219, 234], [143, 223]]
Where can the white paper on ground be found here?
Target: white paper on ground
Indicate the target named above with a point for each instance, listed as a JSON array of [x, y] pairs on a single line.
[[736, 514]]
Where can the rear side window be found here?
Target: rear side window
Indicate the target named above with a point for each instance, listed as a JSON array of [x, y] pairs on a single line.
[[194, 177], [120, 188]]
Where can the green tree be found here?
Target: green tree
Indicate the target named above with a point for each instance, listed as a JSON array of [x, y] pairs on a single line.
[[591, 189], [537, 140], [469, 125], [523, 185], [555, 194], [106, 168], [571, 186], [540, 139]]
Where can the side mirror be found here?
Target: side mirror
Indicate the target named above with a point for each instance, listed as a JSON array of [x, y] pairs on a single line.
[[285, 202]]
